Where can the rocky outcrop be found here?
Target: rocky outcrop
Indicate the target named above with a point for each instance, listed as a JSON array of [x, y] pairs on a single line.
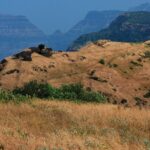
[[26, 55], [3, 64]]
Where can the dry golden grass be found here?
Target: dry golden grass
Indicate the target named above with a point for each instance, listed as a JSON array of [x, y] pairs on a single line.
[[73, 67], [53, 125]]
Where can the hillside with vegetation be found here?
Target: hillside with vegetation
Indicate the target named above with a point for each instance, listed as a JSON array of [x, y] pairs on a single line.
[[109, 69], [128, 27]]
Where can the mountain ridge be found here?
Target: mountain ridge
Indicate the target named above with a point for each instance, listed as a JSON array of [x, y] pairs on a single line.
[[93, 21], [128, 27], [142, 7], [17, 32]]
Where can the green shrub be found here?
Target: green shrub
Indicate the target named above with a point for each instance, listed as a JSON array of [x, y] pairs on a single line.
[[6, 96], [102, 61], [74, 90], [69, 92], [115, 65], [147, 54], [34, 89], [93, 96], [147, 95], [136, 63]]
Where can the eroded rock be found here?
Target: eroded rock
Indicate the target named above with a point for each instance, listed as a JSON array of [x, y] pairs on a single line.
[[25, 56]]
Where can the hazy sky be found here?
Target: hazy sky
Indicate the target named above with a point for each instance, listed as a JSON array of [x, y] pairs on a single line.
[[50, 15]]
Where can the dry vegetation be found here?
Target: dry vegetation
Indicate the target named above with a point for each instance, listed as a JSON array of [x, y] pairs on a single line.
[[109, 67], [53, 125]]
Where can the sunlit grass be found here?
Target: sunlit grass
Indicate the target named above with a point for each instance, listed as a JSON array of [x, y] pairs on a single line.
[[66, 125]]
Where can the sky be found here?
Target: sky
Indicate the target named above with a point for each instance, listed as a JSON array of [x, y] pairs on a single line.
[[50, 15]]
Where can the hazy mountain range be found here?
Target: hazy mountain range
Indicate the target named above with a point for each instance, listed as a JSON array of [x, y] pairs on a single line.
[[142, 7], [128, 27], [17, 32], [94, 21]]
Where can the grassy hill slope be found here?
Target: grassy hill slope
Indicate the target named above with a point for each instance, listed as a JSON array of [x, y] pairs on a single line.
[[119, 70]]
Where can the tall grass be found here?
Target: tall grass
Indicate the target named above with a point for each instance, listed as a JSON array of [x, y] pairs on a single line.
[[69, 126]]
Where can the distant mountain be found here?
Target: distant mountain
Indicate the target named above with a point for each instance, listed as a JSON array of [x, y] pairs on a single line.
[[142, 7], [17, 32], [94, 21], [128, 27]]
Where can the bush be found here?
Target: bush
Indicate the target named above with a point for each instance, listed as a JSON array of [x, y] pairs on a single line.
[[147, 54], [34, 89], [102, 61], [74, 90], [136, 63], [147, 95], [69, 92], [115, 65], [93, 96], [41, 46], [6, 96]]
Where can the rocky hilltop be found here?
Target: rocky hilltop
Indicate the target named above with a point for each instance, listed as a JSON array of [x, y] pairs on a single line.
[[128, 27], [119, 70], [17, 32]]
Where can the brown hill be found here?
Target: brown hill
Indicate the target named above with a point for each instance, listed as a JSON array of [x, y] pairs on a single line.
[[120, 70]]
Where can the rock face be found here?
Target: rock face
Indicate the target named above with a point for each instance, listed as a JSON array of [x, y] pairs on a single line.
[[94, 21], [128, 27], [17, 32], [18, 26]]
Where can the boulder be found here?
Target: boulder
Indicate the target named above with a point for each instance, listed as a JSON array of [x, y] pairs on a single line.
[[46, 52], [35, 49], [147, 43], [3, 64], [25, 55], [101, 43]]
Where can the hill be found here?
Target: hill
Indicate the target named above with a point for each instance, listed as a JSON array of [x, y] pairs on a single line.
[[94, 21], [17, 32], [128, 27], [142, 7], [112, 68]]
